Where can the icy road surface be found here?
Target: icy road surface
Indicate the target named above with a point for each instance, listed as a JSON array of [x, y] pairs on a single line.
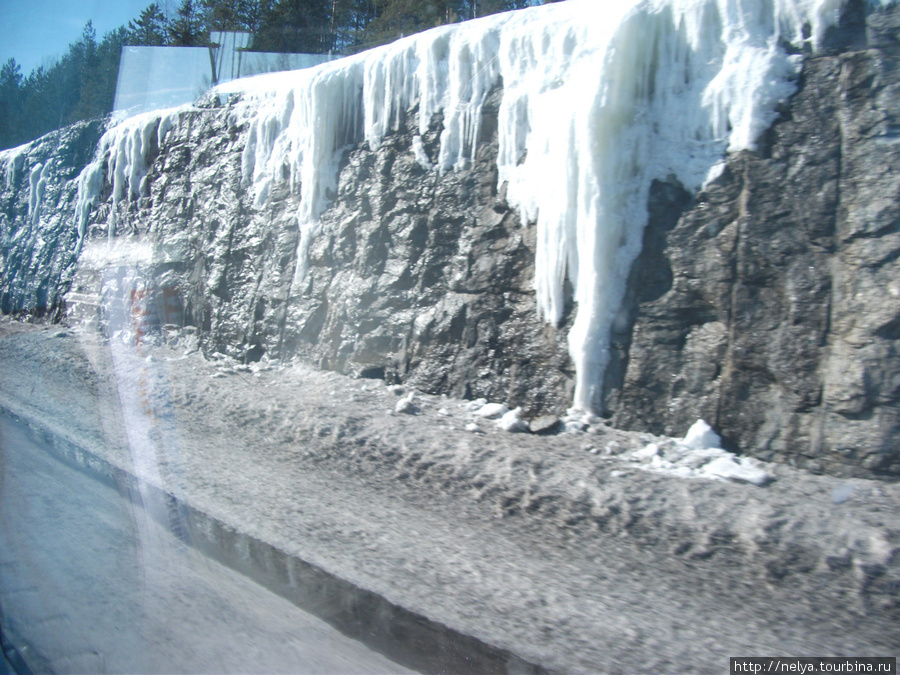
[[95, 586]]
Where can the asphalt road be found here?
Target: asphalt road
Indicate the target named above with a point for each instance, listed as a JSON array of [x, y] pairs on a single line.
[[92, 585]]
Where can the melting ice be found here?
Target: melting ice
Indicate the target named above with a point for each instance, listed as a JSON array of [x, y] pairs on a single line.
[[599, 99]]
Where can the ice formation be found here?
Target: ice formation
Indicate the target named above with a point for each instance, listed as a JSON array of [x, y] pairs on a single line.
[[37, 185], [121, 159], [14, 160], [599, 99]]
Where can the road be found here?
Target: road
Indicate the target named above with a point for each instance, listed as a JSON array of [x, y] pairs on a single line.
[[92, 585]]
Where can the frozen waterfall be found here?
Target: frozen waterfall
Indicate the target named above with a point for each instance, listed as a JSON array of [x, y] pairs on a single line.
[[599, 99]]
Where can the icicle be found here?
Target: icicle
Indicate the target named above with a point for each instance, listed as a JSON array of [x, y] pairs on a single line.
[[34, 198], [15, 161], [121, 159]]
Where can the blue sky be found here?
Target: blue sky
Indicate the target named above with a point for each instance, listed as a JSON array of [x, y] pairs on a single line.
[[36, 32]]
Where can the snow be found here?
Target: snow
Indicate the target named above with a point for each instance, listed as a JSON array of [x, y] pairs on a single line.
[[504, 418], [590, 117], [283, 458], [421, 155], [700, 436], [406, 405], [96, 585], [35, 192], [492, 410], [14, 158], [841, 493], [512, 421], [474, 406], [699, 455]]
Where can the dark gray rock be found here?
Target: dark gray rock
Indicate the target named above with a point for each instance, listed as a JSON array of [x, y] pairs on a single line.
[[426, 278], [545, 424]]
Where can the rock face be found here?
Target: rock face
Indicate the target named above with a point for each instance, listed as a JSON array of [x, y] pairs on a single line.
[[412, 276], [771, 307], [37, 197], [426, 278], [768, 304]]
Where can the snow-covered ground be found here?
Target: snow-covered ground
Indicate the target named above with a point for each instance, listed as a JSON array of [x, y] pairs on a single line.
[[560, 548]]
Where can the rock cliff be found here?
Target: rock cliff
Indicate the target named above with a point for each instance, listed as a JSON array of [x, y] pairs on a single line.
[[767, 304], [770, 307]]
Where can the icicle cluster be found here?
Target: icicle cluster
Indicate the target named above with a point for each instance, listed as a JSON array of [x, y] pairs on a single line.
[[37, 185], [14, 161], [121, 159], [599, 99]]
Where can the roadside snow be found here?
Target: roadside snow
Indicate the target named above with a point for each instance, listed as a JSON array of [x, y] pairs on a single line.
[[512, 421], [492, 411], [405, 405]]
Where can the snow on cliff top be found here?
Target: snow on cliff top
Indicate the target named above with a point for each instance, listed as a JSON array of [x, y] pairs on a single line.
[[599, 99]]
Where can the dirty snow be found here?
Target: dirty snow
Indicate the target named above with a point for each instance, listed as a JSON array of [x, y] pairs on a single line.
[[558, 547]]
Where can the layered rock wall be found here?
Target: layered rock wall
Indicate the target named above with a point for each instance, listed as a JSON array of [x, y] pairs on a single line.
[[37, 198]]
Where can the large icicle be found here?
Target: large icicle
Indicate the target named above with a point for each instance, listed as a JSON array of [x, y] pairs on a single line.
[[599, 99]]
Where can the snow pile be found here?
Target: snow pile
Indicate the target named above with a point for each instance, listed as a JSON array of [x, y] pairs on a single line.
[[491, 411], [512, 421], [504, 418], [599, 99], [406, 405], [699, 455]]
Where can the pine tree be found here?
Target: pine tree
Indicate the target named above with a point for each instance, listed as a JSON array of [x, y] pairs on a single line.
[[98, 87], [350, 20], [231, 15], [187, 29], [396, 18], [149, 29], [10, 103], [294, 26]]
